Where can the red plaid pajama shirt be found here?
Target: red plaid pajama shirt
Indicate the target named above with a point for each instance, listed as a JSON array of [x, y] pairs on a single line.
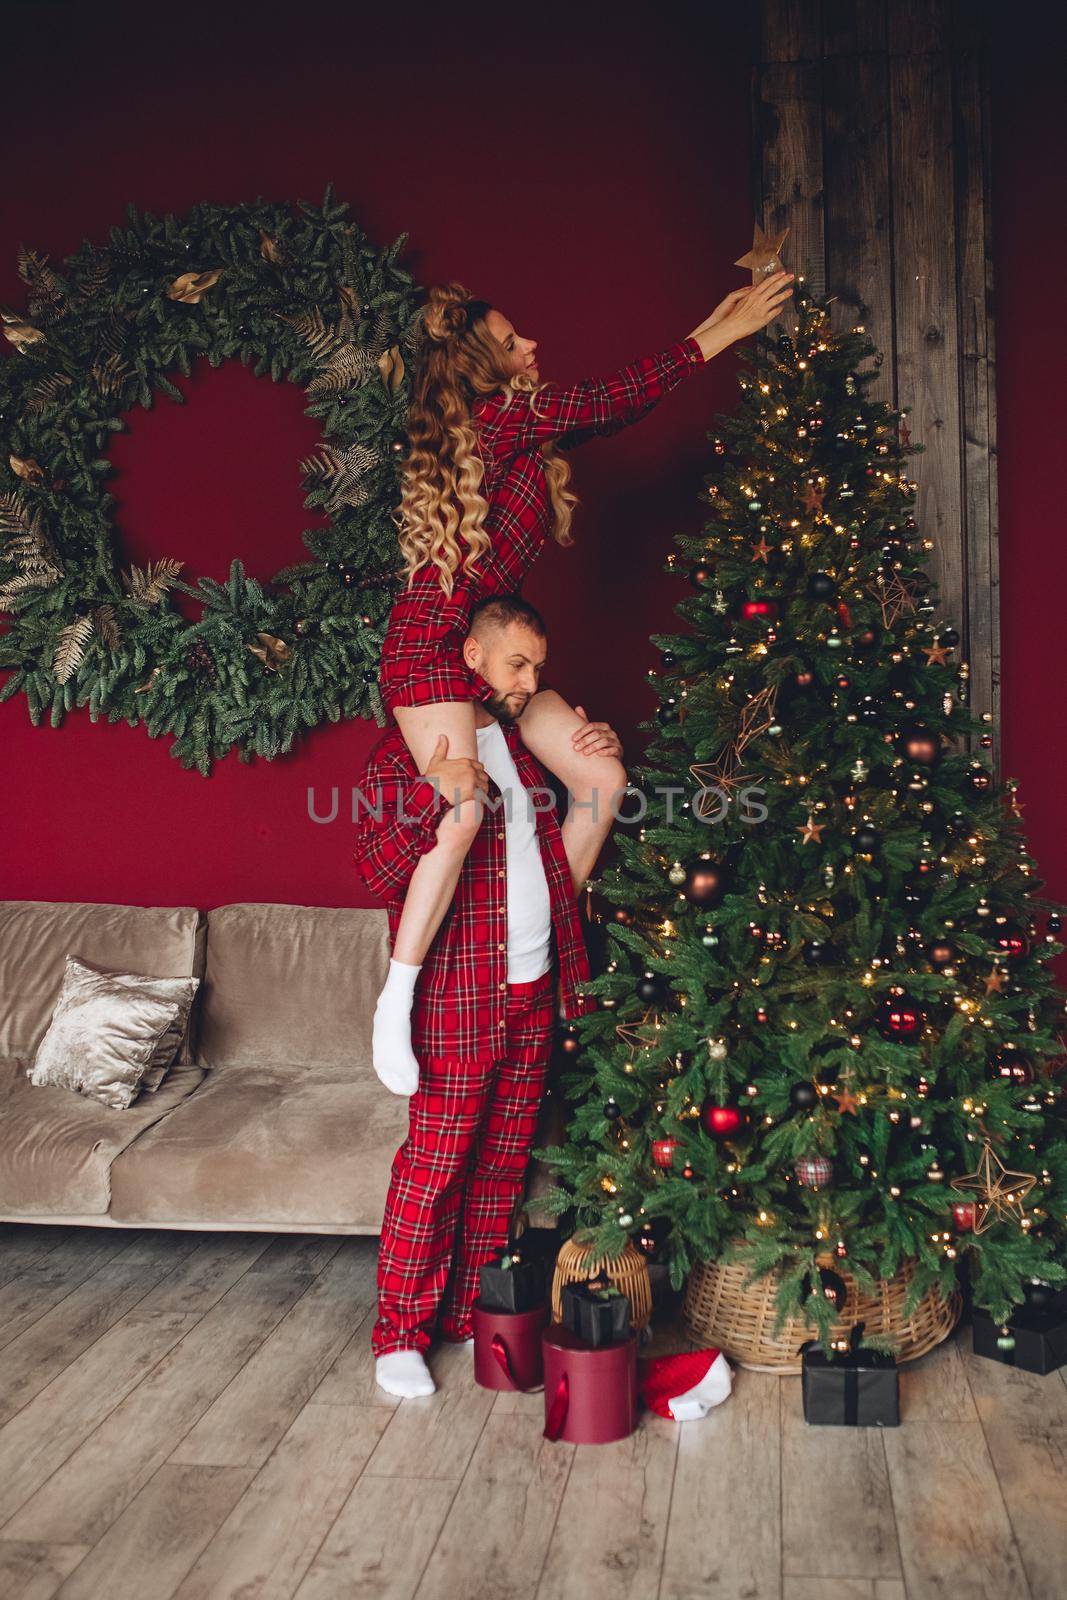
[[421, 655], [483, 1044]]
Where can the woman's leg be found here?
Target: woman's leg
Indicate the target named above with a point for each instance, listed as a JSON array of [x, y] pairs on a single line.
[[429, 892], [595, 783]]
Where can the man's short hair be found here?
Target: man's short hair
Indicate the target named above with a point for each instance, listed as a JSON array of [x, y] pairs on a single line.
[[500, 610]]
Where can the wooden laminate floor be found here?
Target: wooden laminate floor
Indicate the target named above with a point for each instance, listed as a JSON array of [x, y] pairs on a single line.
[[195, 1415]]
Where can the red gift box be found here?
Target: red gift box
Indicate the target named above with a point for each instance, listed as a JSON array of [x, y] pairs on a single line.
[[507, 1347], [590, 1392]]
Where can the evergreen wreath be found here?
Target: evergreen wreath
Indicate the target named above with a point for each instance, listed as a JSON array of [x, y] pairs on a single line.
[[305, 297]]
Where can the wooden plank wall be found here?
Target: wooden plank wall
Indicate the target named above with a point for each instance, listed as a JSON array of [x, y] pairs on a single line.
[[871, 142]]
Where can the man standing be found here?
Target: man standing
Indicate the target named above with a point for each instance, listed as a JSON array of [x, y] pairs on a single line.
[[484, 997]]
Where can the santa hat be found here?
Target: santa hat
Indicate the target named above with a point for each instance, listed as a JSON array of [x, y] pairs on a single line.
[[685, 1386]]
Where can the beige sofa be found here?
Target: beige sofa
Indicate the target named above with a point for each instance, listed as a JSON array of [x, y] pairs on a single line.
[[271, 1117]]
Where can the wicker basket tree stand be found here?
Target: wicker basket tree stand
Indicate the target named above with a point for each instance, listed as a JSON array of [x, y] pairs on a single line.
[[722, 1309]]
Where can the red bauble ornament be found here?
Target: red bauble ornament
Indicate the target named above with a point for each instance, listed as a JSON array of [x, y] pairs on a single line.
[[1013, 1064], [663, 1152], [963, 1216], [759, 610], [900, 1016], [1011, 942], [722, 1122]]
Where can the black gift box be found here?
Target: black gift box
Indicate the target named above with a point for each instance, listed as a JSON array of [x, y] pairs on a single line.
[[597, 1321], [518, 1287], [860, 1389], [1040, 1338]]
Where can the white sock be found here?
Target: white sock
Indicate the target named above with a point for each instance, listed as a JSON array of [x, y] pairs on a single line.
[[391, 1054], [405, 1373]]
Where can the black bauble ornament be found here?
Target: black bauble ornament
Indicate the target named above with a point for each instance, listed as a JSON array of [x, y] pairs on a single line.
[[950, 638], [1039, 1296], [831, 1285], [980, 779], [668, 658], [866, 839], [700, 574], [1054, 922], [818, 954], [802, 1096], [821, 586], [870, 709], [705, 884], [667, 713], [651, 989], [612, 1109]]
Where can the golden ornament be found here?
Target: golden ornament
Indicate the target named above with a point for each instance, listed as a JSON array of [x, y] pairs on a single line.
[[997, 1192], [273, 652], [270, 248], [391, 367], [190, 287], [763, 259], [19, 332], [27, 468]]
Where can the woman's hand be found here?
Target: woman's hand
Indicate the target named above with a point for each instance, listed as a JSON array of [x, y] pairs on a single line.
[[724, 307], [760, 306], [743, 312], [595, 738]]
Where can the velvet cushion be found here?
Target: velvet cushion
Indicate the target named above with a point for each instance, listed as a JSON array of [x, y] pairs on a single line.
[[107, 1029], [183, 990], [36, 936], [289, 984]]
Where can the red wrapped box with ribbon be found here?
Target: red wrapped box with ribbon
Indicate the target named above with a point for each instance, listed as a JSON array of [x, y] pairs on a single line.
[[507, 1347], [590, 1391]]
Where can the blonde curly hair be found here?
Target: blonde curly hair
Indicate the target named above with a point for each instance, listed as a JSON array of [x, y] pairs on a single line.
[[442, 508]]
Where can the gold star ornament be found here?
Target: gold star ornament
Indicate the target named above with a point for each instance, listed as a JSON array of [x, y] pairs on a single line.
[[998, 1193], [763, 260]]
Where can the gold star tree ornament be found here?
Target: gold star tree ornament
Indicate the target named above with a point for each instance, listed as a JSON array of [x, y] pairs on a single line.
[[763, 260], [998, 1194]]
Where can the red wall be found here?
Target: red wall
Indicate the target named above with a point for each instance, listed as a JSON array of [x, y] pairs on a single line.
[[1028, 63], [586, 168]]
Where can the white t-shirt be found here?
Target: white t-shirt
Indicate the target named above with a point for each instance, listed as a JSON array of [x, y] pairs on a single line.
[[529, 907]]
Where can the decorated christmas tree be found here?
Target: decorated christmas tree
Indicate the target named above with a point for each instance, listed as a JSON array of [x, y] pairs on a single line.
[[827, 1024]]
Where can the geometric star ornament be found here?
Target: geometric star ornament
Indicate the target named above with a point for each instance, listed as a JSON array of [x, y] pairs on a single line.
[[641, 1034], [763, 258], [999, 1194]]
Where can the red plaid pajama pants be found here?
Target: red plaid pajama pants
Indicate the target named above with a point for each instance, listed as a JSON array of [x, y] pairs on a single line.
[[457, 1176]]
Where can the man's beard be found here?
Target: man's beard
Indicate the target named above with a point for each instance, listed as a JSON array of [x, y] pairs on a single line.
[[497, 706]]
